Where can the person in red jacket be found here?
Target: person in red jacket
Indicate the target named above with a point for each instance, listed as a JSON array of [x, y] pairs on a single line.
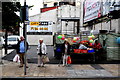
[[97, 46]]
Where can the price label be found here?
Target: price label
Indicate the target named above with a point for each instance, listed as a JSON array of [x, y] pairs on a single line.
[[34, 23]]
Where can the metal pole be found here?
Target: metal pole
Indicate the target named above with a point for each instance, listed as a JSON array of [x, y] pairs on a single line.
[[6, 46], [1, 47], [25, 48], [66, 28], [24, 34], [66, 25]]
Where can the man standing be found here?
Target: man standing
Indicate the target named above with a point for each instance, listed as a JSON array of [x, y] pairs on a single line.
[[41, 51], [21, 49]]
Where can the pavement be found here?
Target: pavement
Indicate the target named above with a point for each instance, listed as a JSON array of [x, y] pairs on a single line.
[[10, 69], [2, 52]]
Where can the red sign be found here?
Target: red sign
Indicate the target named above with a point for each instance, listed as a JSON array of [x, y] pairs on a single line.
[[47, 9]]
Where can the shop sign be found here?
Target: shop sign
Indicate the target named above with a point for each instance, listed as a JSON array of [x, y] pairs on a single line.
[[92, 10], [39, 28]]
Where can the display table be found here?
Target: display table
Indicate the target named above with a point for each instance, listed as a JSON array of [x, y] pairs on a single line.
[[78, 52]]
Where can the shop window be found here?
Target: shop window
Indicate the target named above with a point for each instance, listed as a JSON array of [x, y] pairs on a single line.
[[114, 14], [55, 4], [63, 3]]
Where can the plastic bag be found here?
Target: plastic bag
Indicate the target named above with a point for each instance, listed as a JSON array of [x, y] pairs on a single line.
[[45, 59], [69, 60], [16, 58]]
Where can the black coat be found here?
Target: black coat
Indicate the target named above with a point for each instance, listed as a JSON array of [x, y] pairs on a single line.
[[18, 47], [63, 49]]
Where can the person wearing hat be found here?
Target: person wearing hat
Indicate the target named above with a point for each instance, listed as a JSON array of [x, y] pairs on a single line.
[[41, 51], [65, 51]]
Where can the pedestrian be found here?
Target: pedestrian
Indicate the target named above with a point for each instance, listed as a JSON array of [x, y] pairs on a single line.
[[98, 49], [65, 51], [21, 49], [41, 51], [97, 45], [82, 46]]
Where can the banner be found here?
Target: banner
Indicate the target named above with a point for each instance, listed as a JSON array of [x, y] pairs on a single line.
[[92, 10]]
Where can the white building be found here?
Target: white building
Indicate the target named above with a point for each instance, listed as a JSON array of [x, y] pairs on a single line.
[[67, 15], [65, 18]]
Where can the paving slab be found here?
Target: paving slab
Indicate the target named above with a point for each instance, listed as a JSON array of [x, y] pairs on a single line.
[[114, 69], [11, 69]]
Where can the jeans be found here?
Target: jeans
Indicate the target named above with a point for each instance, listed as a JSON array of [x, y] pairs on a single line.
[[65, 56]]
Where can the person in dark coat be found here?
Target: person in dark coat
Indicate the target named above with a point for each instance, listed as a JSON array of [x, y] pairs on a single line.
[[20, 48], [65, 51]]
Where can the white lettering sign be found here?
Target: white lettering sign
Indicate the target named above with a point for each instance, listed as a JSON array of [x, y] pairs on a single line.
[[92, 10]]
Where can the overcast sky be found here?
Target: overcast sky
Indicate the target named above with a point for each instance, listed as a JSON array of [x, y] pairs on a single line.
[[37, 5]]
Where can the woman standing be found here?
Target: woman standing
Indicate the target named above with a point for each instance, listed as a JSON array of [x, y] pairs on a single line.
[[65, 51]]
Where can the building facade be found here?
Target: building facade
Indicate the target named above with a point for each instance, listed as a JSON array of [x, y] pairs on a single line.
[[67, 15], [101, 15]]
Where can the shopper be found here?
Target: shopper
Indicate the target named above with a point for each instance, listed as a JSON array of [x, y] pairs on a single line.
[[82, 46], [97, 45], [98, 49], [65, 51], [21, 50], [41, 51]]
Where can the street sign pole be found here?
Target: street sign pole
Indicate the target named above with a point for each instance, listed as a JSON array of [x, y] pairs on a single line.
[[25, 51], [24, 34]]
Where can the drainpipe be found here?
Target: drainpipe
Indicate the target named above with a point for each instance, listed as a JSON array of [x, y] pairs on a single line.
[[119, 25]]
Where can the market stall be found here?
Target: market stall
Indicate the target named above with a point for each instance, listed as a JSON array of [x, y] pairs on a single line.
[[88, 55]]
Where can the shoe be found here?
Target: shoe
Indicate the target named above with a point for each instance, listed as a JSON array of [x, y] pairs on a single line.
[[26, 66], [20, 66], [42, 66], [39, 66], [63, 65]]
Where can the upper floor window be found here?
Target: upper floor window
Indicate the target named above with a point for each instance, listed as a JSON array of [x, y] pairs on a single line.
[[55, 4], [45, 5]]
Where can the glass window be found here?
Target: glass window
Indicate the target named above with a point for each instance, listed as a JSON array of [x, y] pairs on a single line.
[[55, 4], [12, 39], [45, 5]]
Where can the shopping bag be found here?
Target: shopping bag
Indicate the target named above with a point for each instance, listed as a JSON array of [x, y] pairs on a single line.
[[69, 60], [45, 59], [16, 58]]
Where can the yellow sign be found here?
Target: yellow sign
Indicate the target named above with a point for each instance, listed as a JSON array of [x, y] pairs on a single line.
[[34, 23]]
